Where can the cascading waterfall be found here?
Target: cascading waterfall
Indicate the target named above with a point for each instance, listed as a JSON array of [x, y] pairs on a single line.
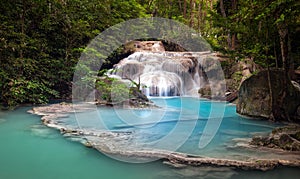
[[163, 73]]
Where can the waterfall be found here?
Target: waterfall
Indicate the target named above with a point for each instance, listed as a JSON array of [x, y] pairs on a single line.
[[163, 73]]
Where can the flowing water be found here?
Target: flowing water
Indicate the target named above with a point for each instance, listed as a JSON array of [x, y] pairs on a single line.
[[168, 73], [30, 150]]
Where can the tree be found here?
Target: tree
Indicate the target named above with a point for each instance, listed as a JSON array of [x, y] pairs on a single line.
[[41, 42]]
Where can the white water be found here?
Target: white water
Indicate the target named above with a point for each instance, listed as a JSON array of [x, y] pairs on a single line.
[[164, 73]]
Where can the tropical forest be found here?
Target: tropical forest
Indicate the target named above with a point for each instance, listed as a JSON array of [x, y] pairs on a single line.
[[150, 89]]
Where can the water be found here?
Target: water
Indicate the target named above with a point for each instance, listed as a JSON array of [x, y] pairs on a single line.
[[167, 73], [30, 150], [187, 125]]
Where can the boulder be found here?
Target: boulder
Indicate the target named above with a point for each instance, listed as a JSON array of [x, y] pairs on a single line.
[[255, 99]]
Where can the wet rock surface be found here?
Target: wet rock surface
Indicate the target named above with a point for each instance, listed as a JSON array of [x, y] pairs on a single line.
[[285, 138]]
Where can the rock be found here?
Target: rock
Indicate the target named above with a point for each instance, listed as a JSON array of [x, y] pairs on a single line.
[[255, 100], [259, 141], [237, 71], [88, 144], [285, 138], [152, 46], [285, 141], [205, 92]]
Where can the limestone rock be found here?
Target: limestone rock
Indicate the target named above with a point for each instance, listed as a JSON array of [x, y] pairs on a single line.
[[237, 71], [286, 138], [151, 46], [255, 99]]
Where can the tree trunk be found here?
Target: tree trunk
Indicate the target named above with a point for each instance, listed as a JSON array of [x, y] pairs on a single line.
[[222, 8], [149, 7], [291, 60], [204, 16], [223, 12], [184, 9], [211, 8], [192, 13], [275, 55], [180, 5], [283, 38], [233, 41], [169, 9], [199, 17], [271, 117], [234, 35]]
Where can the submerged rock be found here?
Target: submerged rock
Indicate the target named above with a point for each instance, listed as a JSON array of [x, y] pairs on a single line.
[[286, 138], [2, 121], [42, 131]]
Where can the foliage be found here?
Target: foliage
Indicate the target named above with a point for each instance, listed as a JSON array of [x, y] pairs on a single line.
[[18, 90], [256, 26], [41, 41], [112, 90]]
